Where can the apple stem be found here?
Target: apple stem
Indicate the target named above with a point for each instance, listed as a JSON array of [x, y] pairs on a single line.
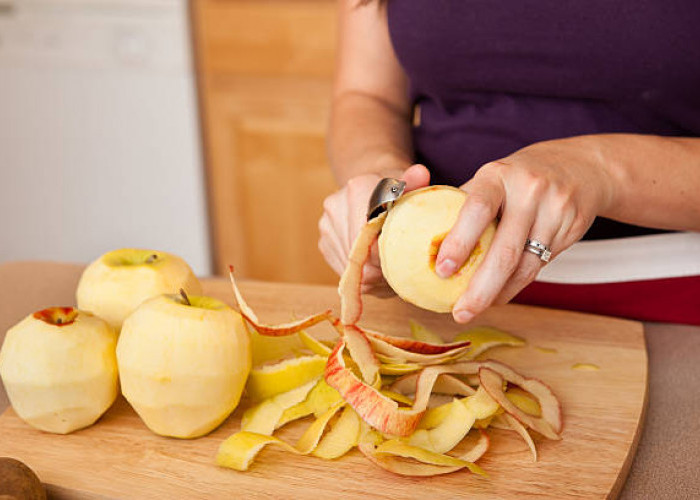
[[185, 297], [151, 259], [59, 321]]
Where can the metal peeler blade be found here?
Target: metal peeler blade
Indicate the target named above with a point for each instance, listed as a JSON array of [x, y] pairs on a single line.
[[387, 191]]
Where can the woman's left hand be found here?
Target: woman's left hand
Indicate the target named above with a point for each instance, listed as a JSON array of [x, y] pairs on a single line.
[[550, 191]]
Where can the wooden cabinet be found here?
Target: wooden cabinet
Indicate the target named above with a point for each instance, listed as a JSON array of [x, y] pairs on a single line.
[[265, 69]]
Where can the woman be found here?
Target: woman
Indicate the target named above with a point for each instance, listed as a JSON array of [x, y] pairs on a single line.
[[566, 120]]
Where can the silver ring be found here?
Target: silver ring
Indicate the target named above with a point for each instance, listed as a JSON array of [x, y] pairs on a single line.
[[539, 249]]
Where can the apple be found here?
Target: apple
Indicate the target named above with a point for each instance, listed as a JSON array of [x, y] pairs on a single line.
[[59, 368], [183, 363], [115, 284], [409, 243]]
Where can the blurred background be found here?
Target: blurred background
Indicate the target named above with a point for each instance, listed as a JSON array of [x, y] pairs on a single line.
[[192, 127]]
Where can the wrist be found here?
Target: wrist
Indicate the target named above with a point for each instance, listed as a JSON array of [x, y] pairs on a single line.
[[604, 167], [610, 171]]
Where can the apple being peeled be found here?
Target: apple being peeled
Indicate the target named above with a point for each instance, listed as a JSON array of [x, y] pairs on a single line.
[[59, 368], [114, 285], [183, 363], [409, 243]]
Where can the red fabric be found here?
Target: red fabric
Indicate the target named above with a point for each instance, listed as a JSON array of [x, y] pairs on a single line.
[[669, 300]]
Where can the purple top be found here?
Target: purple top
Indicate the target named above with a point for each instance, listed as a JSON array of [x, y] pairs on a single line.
[[491, 77]]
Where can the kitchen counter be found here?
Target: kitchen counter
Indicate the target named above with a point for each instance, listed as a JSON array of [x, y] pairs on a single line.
[[666, 462]]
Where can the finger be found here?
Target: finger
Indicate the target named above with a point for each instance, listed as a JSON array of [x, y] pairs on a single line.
[[327, 230], [544, 229], [371, 275], [415, 177], [331, 256], [330, 246], [373, 282], [357, 218], [484, 197], [501, 260], [336, 207]]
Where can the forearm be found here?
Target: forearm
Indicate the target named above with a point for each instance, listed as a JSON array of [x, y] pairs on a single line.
[[368, 136], [655, 180]]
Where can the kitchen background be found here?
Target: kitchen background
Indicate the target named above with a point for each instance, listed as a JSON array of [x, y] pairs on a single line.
[[192, 127]]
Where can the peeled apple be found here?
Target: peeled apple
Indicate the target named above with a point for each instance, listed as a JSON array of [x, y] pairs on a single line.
[[115, 284], [59, 368], [183, 363], [409, 243]]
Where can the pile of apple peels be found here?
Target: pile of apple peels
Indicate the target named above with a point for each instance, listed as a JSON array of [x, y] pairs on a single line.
[[404, 402]]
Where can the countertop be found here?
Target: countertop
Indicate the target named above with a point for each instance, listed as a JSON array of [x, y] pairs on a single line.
[[666, 464]]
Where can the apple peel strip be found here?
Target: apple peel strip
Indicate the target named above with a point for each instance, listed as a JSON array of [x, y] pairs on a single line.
[[483, 338], [414, 346], [317, 402], [424, 334], [267, 381], [278, 330], [522, 431], [240, 449], [343, 436], [350, 282], [408, 384], [392, 462], [264, 417], [492, 376], [378, 410], [398, 448], [455, 425]]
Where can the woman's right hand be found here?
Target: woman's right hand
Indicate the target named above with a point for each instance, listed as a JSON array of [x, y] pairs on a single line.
[[344, 214]]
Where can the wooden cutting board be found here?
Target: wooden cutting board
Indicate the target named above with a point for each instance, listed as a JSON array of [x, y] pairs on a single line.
[[603, 411]]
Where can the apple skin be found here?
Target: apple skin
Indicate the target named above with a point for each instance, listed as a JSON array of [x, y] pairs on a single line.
[[183, 368], [60, 377], [115, 284]]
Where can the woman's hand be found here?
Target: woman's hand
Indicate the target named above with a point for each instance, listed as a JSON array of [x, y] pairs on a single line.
[[345, 212], [549, 191]]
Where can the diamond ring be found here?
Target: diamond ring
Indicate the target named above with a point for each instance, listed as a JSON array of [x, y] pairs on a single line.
[[539, 249]]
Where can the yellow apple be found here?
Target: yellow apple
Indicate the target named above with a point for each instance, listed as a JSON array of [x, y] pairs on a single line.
[[114, 285], [59, 368], [183, 363], [409, 243]]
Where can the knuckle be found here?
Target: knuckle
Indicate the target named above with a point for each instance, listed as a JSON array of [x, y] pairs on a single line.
[[352, 184], [578, 228], [328, 203], [479, 206], [493, 167], [527, 273], [563, 196], [477, 303], [536, 184], [507, 259]]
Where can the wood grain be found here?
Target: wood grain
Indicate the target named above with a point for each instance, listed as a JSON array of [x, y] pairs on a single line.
[[264, 73], [119, 457]]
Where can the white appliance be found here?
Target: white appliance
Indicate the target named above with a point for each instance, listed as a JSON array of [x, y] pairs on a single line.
[[99, 136]]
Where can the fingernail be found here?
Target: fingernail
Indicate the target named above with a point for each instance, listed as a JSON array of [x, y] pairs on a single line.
[[463, 316], [446, 268]]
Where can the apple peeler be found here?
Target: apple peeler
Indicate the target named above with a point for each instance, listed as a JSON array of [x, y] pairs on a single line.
[[387, 191]]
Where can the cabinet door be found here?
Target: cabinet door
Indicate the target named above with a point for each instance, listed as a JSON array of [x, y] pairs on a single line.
[[265, 81]]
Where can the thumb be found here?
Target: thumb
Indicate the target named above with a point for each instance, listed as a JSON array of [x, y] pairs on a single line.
[[416, 176]]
